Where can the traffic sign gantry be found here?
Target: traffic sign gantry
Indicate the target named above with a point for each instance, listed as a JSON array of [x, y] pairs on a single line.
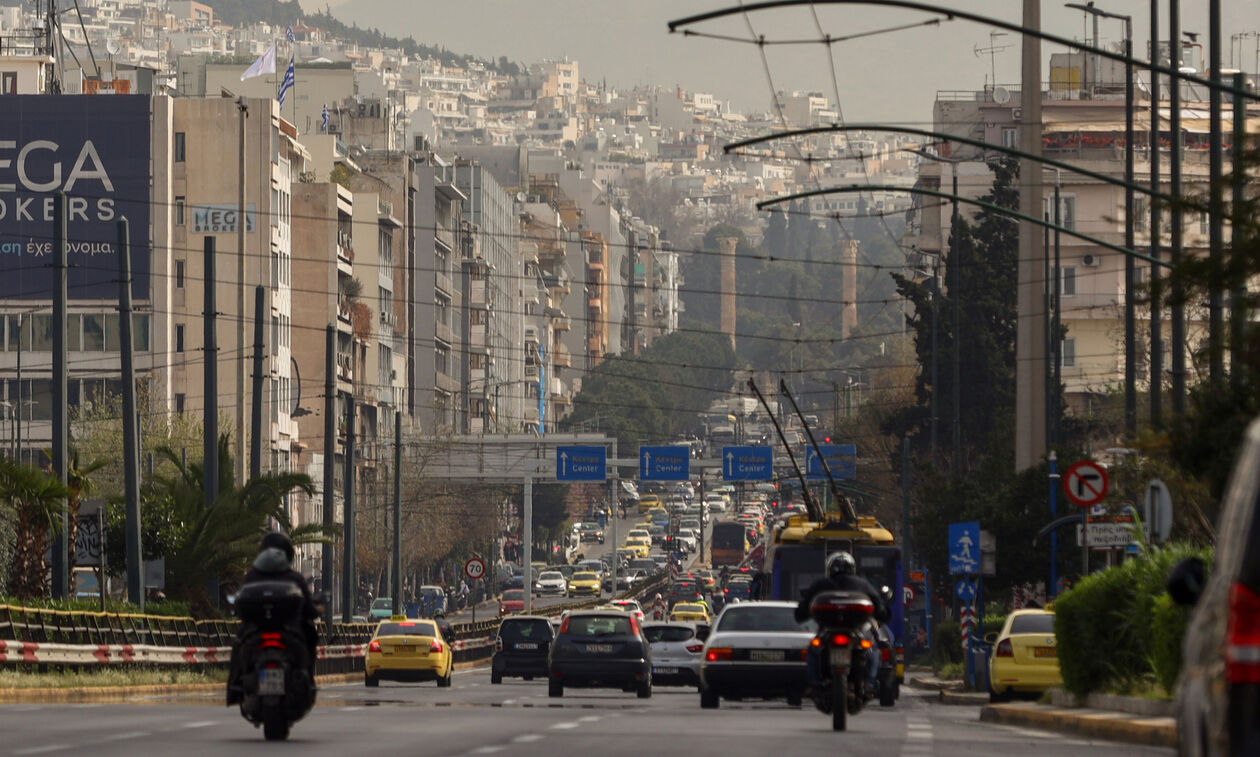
[[841, 461], [475, 568], [668, 463], [1085, 483], [747, 463], [581, 463]]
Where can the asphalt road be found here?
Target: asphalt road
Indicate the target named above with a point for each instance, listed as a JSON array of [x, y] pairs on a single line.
[[517, 718]]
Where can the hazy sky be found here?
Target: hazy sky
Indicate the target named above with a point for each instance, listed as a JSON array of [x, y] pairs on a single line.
[[888, 77]]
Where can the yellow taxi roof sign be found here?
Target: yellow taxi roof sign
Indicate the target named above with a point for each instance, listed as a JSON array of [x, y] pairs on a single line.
[[395, 618]]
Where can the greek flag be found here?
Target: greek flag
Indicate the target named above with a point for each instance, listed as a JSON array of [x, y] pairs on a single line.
[[325, 123], [288, 34], [287, 83]]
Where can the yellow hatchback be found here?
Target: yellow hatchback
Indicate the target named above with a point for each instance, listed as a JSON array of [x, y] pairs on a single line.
[[687, 611], [1025, 657], [403, 649], [648, 502], [642, 546]]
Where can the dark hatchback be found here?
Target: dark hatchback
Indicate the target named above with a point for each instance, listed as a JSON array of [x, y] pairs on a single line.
[[521, 648], [600, 649]]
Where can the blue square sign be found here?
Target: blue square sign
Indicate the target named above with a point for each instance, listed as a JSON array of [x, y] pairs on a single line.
[[668, 463], [747, 463], [581, 463], [964, 547], [841, 461]]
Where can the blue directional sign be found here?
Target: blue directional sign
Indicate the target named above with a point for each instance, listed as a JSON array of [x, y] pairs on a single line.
[[841, 460], [964, 547], [581, 463], [965, 589], [672, 463], [747, 463]]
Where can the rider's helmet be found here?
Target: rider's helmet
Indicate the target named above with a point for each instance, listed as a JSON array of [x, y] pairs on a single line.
[[841, 564], [277, 540]]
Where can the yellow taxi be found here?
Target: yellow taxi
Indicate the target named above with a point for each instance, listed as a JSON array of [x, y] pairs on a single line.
[[1025, 656], [648, 502], [584, 582], [408, 649], [641, 545], [689, 611]]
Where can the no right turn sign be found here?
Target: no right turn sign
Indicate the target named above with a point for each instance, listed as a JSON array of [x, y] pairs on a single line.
[[1085, 483]]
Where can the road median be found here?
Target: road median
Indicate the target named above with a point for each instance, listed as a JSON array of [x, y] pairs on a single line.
[[1104, 724], [120, 693]]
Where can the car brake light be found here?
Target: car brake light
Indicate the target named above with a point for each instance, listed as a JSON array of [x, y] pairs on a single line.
[[1242, 653], [840, 640], [435, 647], [634, 625], [1004, 649], [695, 648], [498, 643], [719, 653], [375, 646], [564, 625], [885, 654]]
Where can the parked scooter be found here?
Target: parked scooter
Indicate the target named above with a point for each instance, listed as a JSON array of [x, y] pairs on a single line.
[[278, 683], [842, 619]]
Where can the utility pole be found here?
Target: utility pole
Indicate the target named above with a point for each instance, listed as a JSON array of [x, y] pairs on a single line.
[[131, 440], [60, 427], [396, 587], [242, 110], [1178, 336], [1157, 367], [349, 590], [955, 294], [1238, 293], [1216, 203], [330, 467], [256, 411], [210, 350]]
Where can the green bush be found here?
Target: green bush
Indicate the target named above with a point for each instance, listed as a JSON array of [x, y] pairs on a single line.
[[993, 623], [165, 608], [1168, 628], [1104, 625], [946, 644]]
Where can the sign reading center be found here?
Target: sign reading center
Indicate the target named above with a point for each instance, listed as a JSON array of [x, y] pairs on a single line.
[[747, 463], [1085, 483], [671, 463], [581, 463]]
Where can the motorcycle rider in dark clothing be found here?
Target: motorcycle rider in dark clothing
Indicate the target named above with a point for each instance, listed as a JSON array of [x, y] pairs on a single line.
[[275, 563], [842, 576]]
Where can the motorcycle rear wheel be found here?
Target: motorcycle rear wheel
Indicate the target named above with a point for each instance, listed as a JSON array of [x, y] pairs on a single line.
[[275, 727], [839, 707]]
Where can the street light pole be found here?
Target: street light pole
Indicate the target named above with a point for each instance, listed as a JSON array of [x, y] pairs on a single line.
[[1178, 336], [1156, 214]]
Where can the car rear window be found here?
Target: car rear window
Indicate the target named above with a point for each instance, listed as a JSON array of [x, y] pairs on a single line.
[[668, 633], [525, 630], [515, 595], [598, 625], [762, 619], [1038, 623], [406, 629]]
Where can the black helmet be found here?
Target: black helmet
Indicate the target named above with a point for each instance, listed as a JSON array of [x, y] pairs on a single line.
[[278, 540], [841, 564]]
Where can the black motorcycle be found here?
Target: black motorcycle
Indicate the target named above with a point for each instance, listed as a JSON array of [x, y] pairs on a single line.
[[841, 617], [276, 676]]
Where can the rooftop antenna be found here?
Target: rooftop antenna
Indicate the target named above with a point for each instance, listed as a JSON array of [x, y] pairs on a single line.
[[993, 49]]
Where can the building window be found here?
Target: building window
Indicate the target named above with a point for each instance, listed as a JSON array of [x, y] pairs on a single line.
[[1141, 214], [1069, 353], [476, 361], [180, 147], [1067, 212], [1010, 137], [179, 403], [179, 274], [1068, 283], [179, 210], [442, 360], [179, 337], [93, 332], [8, 82], [443, 307]]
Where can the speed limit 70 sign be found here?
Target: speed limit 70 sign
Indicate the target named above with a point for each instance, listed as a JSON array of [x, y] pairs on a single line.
[[475, 568]]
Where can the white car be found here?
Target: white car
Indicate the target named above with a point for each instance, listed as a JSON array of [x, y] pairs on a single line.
[[716, 503], [628, 605], [551, 582], [675, 653], [687, 538], [756, 649]]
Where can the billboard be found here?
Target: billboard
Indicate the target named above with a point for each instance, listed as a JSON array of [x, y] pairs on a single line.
[[96, 150]]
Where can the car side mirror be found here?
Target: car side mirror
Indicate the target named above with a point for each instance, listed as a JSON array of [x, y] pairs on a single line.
[[990, 638], [1187, 580]]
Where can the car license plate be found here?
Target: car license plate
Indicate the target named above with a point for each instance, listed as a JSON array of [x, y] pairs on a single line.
[[665, 671], [271, 682], [527, 645], [1045, 652], [765, 655], [599, 648]]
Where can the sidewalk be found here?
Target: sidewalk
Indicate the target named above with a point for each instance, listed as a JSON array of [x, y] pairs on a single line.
[[1104, 724]]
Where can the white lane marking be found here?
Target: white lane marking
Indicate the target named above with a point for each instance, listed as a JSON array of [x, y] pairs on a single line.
[[488, 750], [351, 709], [919, 735], [201, 723], [126, 735], [590, 719], [41, 749], [564, 726], [527, 738], [509, 701]]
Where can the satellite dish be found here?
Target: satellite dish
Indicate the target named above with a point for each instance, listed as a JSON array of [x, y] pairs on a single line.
[[112, 47], [520, 197], [1001, 96]]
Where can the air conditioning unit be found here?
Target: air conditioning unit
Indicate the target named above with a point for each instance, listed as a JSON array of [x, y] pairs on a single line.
[[1090, 261], [1017, 114]]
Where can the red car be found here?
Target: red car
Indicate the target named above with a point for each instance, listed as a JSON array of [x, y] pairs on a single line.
[[513, 600]]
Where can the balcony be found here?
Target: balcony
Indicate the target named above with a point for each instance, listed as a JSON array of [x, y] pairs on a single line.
[[561, 323], [477, 335], [531, 335], [562, 358], [596, 304], [531, 370], [345, 367], [445, 237], [477, 293]]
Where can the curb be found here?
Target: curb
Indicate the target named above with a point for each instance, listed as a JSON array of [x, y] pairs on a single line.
[[95, 694], [1116, 726], [473, 665], [963, 698]]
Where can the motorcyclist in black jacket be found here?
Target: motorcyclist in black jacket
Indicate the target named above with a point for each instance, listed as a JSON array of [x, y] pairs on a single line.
[[842, 576], [275, 563]]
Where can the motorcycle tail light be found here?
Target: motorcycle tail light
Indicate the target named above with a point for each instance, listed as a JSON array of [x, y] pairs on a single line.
[[840, 640], [1242, 651], [1004, 649], [815, 642], [865, 643], [375, 646], [271, 641], [719, 654], [885, 654], [695, 648]]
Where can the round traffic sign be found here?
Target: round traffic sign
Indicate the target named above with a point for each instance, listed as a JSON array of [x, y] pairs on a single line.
[[1085, 483], [475, 568], [907, 594]]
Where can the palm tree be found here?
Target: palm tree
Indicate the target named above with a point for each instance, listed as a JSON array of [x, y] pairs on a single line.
[[217, 542], [37, 500]]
